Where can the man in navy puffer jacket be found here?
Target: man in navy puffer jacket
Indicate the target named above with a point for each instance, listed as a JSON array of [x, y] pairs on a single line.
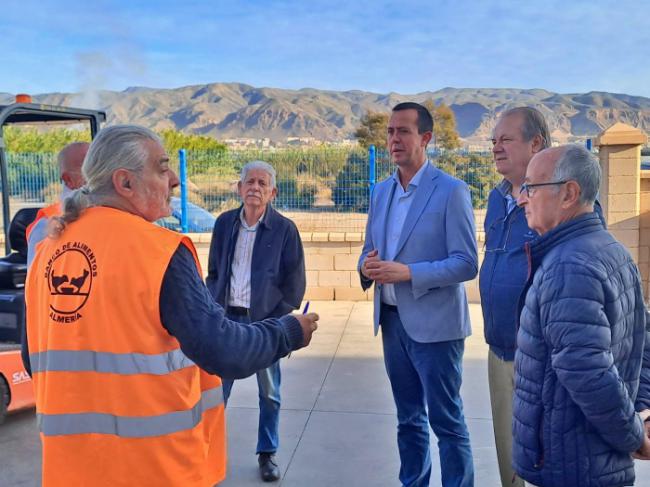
[[582, 365]]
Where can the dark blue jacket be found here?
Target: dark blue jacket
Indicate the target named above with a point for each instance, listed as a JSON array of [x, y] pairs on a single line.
[[277, 269], [583, 361], [503, 272]]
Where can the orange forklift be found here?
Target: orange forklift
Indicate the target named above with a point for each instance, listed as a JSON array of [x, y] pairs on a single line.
[[16, 390]]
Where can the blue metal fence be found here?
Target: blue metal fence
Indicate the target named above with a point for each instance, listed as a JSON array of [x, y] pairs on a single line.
[[182, 174], [33, 176], [314, 180]]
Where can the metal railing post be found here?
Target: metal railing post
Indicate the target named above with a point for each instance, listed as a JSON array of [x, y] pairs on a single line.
[[183, 177], [4, 179], [372, 167]]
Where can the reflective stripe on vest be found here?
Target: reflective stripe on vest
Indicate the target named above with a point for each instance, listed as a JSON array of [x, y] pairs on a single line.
[[109, 363], [130, 426]]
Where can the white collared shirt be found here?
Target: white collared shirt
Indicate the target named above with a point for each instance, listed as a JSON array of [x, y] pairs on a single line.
[[399, 208], [240, 267]]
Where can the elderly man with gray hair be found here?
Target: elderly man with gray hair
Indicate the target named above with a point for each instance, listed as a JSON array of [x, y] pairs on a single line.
[[124, 339], [256, 270], [70, 160], [519, 134], [582, 365]]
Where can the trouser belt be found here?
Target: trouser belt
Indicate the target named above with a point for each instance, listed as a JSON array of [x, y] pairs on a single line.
[[238, 311], [389, 307]]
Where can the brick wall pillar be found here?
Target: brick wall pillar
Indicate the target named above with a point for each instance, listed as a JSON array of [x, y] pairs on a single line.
[[620, 190]]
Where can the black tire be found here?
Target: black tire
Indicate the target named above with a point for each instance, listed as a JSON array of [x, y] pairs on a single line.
[[4, 399]]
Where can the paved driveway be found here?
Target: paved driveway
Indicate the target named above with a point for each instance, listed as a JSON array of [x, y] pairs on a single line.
[[338, 420]]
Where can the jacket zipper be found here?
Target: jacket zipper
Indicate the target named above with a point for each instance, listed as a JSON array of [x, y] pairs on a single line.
[[540, 445]]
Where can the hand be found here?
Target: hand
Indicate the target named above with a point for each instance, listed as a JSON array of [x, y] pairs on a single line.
[[386, 271], [309, 324], [372, 256], [643, 453]]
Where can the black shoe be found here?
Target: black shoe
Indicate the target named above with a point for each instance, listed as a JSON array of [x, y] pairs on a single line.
[[269, 470]]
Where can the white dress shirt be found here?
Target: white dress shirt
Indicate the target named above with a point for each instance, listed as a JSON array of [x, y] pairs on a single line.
[[399, 208], [240, 267]]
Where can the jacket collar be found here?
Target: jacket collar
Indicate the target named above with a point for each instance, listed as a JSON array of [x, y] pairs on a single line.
[[581, 225], [415, 180], [269, 217], [426, 186], [504, 187]]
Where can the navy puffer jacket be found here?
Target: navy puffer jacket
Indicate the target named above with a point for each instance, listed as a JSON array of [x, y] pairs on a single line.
[[583, 361]]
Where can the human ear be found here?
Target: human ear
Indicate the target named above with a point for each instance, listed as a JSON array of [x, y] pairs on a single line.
[[123, 182], [572, 193], [538, 144]]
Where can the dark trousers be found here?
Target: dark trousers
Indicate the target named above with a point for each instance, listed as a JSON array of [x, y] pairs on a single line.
[[427, 376]]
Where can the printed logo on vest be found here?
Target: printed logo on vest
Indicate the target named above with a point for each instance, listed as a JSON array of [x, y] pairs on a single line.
[[70, 272]]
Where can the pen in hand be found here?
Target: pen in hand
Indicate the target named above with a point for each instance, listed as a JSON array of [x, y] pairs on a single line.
[[304, 311]]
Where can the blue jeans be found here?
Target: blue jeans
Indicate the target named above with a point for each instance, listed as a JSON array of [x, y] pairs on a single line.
[[268, 384], [427, 376]]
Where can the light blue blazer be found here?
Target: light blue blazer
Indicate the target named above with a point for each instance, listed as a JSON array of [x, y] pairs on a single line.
[[438, 243]]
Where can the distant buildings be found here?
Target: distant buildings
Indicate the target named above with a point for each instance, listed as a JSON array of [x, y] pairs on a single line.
[[267, 143], [248, 143]]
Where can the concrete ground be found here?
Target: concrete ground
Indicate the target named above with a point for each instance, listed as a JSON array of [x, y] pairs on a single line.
[[338, 422]]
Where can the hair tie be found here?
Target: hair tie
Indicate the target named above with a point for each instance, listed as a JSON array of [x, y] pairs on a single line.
[[55, 226]]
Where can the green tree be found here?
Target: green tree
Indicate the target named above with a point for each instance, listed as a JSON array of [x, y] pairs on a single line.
[[477, 170], [174, 140], [30, 140], [374, 126], [445, 135], [293, 197], [372, 130], [352, 189]]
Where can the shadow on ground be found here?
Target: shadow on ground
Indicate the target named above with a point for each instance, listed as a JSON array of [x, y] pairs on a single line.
[[338, 424]]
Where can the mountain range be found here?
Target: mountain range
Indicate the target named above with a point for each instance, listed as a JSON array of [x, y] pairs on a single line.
[[237, 110]]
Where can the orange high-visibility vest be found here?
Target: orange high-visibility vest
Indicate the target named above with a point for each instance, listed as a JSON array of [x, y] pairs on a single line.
[[117, 401], [42, 216]]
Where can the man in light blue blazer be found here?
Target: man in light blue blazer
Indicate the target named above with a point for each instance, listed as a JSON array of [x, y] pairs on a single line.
[[420, 246]]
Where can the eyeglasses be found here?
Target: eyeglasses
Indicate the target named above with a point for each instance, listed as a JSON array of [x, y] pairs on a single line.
[[494, 232], [530, 189]]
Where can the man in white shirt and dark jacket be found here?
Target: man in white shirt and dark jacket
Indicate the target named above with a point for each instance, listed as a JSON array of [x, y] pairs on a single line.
[[256, 270]]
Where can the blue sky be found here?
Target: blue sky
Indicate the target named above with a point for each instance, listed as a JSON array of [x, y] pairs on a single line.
[[403, 46]]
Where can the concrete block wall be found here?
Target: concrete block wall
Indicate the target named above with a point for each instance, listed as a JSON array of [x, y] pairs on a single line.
[[331, 263], [201, 242], [644, 232], [620, 193], [625, 192]]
